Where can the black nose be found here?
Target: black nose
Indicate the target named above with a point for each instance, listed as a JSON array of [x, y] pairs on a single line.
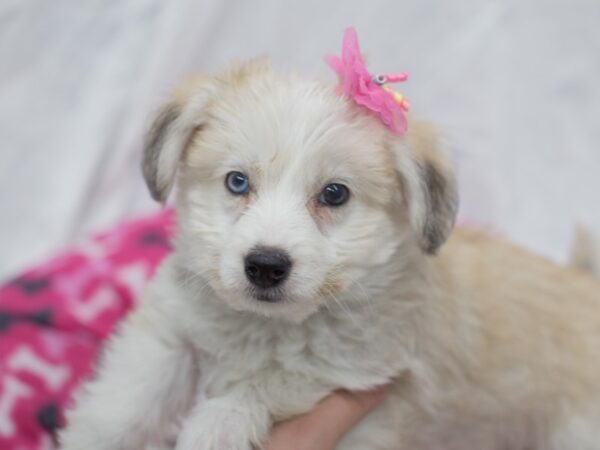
[[267, 267]]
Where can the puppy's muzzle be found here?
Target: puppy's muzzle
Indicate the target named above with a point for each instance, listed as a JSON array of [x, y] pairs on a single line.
[[267, 267]]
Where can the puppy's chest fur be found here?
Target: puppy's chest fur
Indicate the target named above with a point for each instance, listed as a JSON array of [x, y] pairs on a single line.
[[291, 366]]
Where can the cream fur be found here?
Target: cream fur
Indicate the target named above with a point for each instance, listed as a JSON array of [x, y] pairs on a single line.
[[585, 251], [488, 347]]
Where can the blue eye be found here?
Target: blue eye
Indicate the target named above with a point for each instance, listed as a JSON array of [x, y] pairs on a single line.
[[237, 183], [334, 194]]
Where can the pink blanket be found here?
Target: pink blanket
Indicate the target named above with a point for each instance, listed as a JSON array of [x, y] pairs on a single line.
[[54, 318]]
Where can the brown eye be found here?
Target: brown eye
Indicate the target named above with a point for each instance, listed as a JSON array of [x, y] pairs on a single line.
[[334, 194]]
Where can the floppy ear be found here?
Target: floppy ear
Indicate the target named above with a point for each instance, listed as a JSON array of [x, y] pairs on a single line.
[[430, 191], [171, 132], [178, 121]]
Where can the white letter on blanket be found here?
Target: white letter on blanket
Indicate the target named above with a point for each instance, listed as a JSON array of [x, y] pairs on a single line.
[[24, 359], [13, 390]]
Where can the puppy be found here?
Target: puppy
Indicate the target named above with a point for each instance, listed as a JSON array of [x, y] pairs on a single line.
[[309, 258]]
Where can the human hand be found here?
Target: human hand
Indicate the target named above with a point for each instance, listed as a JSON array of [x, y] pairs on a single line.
[[324, 426]]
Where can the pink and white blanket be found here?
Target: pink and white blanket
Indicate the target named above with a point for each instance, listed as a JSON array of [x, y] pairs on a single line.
[[55, 317]]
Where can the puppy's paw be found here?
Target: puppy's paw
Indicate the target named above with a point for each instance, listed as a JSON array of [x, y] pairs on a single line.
[[214, 441], [223, 429]]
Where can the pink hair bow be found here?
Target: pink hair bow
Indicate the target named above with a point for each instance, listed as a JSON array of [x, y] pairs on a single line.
[[367, 90]]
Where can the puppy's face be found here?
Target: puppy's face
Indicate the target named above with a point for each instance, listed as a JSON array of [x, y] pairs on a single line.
[[289, 196]]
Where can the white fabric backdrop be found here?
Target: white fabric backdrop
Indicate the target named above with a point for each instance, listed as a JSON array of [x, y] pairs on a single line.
[[513, 83]]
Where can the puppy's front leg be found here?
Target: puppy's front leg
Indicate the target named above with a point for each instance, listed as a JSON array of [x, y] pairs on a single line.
[[233, 422], [145, 380]]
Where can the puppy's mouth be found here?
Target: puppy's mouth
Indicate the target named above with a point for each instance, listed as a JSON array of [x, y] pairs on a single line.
[[269, 295]]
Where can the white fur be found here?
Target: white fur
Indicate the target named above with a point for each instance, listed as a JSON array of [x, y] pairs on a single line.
[[200, 347]]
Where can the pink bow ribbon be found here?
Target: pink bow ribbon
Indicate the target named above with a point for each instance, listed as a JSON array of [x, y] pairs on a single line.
[[367, 90]]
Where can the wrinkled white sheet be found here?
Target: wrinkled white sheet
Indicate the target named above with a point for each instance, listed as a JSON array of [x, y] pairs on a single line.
[[513, 83]]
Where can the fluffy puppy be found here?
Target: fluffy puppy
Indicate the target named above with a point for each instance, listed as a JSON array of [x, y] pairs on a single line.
[[308, 259]]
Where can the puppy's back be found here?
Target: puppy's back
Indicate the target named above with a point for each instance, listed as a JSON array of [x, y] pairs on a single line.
[[529, 316]]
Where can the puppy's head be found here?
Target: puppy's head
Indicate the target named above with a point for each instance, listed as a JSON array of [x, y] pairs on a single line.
[[290, 196]]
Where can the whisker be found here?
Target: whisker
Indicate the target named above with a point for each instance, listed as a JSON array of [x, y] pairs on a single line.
[[329, 291]]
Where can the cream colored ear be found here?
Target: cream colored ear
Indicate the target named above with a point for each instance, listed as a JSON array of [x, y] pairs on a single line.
[[429, 185], [178, 120], [171, 132]]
